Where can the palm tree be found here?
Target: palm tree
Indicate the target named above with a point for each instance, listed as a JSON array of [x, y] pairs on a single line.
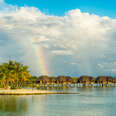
[[22, 74], [13, 74], [4, 74]]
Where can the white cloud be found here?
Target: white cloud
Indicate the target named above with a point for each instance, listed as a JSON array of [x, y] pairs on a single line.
[[61, 52], [77, 36]]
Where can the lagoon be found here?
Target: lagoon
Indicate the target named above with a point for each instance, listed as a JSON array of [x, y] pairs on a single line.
[[90, 102]]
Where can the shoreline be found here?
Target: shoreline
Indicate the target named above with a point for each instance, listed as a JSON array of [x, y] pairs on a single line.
[[31, 92]]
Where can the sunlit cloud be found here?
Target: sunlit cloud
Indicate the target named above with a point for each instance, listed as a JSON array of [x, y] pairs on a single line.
[[79, 43]]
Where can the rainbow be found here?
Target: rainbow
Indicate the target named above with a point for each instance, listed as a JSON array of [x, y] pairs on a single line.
[[42, 61], [40, 57]]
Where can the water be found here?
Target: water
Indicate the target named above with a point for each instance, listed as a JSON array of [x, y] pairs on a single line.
[[90, 102]]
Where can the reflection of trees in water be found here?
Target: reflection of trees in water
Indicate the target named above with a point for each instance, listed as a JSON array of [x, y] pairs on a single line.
[[12, 104], [55, 88]]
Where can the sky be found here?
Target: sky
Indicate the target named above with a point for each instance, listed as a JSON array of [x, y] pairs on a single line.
[[59, 7], [64, 37]]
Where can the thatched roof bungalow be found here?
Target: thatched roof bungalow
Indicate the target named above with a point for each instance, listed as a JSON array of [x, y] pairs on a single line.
[[42, 79], [85, 79], [63, 79]]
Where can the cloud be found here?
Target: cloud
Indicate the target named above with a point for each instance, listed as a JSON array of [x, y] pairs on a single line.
[[61, 52], [76, 37]]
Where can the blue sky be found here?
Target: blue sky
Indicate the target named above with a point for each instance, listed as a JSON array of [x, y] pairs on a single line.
[[59, 7]]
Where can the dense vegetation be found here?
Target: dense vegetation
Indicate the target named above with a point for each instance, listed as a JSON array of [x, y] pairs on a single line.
[[13, 74]]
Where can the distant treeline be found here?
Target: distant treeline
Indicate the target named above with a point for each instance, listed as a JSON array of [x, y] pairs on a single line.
[[16, 75]]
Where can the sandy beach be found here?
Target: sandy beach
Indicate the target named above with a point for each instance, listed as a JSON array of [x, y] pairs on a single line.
[[31, 92]]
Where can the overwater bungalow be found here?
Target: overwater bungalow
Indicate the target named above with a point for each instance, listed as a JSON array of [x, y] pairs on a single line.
[[43, 80], [109, 81], [51, 81], [92, 81], [64, 80], [102, 80], [61, 80], [85, 81], [69, 80]]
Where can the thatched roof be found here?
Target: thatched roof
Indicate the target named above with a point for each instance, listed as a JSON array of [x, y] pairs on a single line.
[[52, 79], [109, 78], [85, 78], [104, 78], [61, 78], [64, 79], [43, 78], [92, 79], [114, 80], [69, 79]]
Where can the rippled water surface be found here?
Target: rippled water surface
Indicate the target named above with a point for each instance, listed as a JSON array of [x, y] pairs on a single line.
[[90, 102]]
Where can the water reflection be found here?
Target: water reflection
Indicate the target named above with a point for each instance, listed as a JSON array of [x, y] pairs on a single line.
[[90, 102], [13, 105], [55, 87]]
